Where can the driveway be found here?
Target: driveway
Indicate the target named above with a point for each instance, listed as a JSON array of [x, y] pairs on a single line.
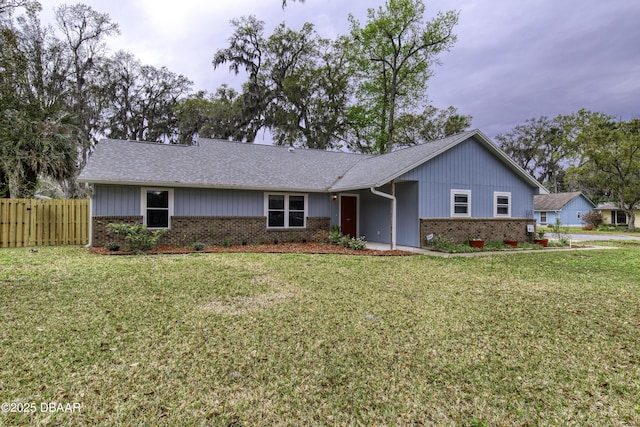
[[581, 237]]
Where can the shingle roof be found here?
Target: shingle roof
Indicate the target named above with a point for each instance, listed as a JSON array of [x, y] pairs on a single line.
[[554, 202], [216, 163], [224, 164]]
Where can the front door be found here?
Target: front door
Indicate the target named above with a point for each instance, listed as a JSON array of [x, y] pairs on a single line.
[[349, 215]]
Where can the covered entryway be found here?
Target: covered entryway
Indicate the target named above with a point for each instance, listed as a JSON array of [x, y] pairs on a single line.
[[349, 215]]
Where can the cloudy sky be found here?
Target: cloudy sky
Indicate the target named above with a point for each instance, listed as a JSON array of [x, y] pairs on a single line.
[[514, 59]]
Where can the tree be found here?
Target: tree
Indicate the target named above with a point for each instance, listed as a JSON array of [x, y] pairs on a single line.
[[213, 116], [430, 125], [611, 162], [140, 100], [84, 31], [393, 55], [34, 127], [284, 2], [245, 52], [309, 86], [541, 147], [297, 83]]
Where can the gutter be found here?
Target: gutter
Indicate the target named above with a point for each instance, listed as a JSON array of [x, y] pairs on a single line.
[[393, 212]]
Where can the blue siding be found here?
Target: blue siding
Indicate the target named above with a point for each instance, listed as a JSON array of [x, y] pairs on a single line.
[[571, 214], [212, 202], [469, 166], [551, 217], [124, 200], [320, 205], [374, 216], [116, 200], [408, 223]]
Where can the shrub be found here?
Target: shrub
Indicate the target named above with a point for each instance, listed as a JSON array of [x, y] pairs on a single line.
[[592, 218], [198, 246], [335, 235], [113, 246], [357, 243], [337, 238], [138, 237]]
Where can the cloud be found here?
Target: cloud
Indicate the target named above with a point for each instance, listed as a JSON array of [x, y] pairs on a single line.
[[513, 60]]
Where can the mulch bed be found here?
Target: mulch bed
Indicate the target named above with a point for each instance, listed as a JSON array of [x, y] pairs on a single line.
[[298, 248]]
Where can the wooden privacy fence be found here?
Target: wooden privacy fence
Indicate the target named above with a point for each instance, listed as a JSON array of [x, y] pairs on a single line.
[[27, 222]]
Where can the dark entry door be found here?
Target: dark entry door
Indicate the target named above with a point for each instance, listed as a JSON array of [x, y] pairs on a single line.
[[349, 215]]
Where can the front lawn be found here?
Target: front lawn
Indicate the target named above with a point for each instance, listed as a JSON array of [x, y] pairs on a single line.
[[532, 338]]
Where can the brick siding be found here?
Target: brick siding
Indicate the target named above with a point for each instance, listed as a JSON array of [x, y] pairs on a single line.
[[458, 230], [186, 230], [100, 237]]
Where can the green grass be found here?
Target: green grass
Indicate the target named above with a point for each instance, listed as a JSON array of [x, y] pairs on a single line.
[[622, 231], [530, 338]]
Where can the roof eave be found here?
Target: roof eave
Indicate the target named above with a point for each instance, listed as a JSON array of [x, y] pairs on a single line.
[[199, 185]]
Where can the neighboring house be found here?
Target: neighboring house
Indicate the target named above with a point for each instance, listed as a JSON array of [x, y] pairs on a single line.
[[459, 187], [569, 207], [612, 214]]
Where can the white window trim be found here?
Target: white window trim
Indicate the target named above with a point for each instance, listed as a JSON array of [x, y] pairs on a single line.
[[143, 205], [286, 210], [497, 194], [546, 217], [453, 200]]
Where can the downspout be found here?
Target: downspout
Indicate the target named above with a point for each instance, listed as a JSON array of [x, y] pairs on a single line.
[[89, 190], [393, 213]]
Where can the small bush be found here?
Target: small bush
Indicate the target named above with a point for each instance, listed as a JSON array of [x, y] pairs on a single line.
[[198, 246], [357, 243], [592, 218], [335, 235], [138, 237], [337, 238], [113, 246]]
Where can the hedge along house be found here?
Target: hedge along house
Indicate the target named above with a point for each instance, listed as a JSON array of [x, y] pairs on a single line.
[[568, 207], [457, 187]]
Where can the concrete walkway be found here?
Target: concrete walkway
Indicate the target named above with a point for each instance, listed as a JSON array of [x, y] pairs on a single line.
[[385, 247]]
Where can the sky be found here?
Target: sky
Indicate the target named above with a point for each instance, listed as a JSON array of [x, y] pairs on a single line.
[[514, 59]]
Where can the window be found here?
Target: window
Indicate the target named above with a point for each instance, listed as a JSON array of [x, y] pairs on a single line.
[[501, 204], [157, 207], [618, 217], [286, 210], [543, 217], [461, 203]]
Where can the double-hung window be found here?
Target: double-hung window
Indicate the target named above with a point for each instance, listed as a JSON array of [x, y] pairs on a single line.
[[543, 217], [157, 207], [286, 210], [461, 203], [501, 204]]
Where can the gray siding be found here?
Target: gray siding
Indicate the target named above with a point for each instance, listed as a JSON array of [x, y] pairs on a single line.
[[374, 216], [115, 200], [124, 200], [408, 222], [320, 205], [212, 202], [469, 166]]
